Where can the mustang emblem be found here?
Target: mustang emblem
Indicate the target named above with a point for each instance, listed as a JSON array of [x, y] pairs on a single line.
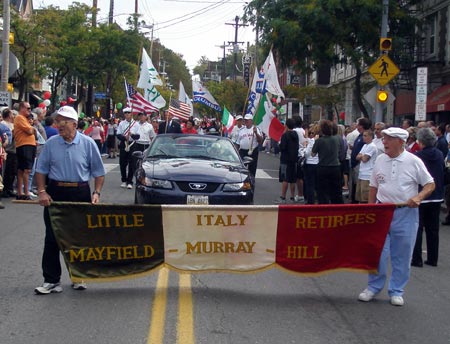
[[197, 186]]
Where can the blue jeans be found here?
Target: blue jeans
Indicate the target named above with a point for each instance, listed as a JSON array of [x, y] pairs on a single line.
[[399, 246]]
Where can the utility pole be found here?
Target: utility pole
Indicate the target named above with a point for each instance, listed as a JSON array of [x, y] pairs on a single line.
[[235, 43], [224, 60], [136, 14], [5, 45], [108, 74], [379, 107], [90, 91], [111, 12]]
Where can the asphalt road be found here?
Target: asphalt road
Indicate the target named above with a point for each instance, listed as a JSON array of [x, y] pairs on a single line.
[[167, 307]]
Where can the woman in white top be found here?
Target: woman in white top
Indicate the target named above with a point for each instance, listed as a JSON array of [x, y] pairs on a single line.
[[310, 166]]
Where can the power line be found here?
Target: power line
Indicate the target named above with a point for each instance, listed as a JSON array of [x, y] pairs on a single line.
[[192, 14]]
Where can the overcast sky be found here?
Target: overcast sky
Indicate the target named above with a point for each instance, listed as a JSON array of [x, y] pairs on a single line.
[[194, 28]]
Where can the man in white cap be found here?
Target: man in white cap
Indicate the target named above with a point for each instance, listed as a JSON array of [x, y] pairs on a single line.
[[235, 132], [125, 151], [396, 178], [248, 141], [68, 160]]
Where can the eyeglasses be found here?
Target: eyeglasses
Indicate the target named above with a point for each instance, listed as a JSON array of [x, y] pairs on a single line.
[[60, 122], [28, 108]]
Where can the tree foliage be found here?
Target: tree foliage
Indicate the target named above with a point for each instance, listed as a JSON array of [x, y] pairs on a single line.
[[63, 45], [314, 33]]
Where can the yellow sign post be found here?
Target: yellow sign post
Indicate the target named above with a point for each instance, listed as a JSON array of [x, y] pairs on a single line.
[[383, 70]]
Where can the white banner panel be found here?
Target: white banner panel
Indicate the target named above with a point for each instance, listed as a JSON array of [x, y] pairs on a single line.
[[231, 238]]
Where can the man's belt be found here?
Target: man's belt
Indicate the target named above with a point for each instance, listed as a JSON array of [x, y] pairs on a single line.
[[67, 184]]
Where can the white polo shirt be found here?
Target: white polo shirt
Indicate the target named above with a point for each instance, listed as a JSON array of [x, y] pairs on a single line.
[[398, 179]]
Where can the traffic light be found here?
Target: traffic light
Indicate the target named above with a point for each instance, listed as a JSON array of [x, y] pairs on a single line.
[[382, 96], [386, 44]]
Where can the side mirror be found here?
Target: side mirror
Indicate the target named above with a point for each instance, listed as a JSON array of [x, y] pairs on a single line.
[[138, 155]]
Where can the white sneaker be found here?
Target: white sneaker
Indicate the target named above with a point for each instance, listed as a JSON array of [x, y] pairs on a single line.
[[299, 199], [32, 194], [129, 186], [123, 185], [397, 300], [366, 295], [48, 288], [79, 286]]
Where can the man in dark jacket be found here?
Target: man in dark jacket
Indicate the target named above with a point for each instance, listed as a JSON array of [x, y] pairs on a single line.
[[430, 207], [288, 161], [169, 125]]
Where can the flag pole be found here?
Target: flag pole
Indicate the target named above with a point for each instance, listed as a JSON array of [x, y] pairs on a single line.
[[248, 93], [167, 115], [128, 96], [139, 60]]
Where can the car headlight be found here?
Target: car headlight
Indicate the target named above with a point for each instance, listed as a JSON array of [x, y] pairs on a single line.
[[245, 186], [157, 183]]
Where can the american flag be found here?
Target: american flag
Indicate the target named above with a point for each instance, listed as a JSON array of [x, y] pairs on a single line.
[[138, 103], [179, 109]]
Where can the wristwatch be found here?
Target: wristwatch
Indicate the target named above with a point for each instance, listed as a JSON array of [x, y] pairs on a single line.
[[96, 193]]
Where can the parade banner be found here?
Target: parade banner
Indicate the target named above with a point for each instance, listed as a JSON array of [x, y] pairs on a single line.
[[108, 241], [319, 238], [105, 242], [232, 238]]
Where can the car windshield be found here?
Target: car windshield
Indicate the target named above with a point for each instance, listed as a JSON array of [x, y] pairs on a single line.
[[193, 147]]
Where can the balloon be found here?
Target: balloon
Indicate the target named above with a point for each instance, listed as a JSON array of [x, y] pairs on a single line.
[[82, 115], [63, 103], [342, 115], [47, 95], [42, 105], [70, 100], [119, 105], [47, 102]]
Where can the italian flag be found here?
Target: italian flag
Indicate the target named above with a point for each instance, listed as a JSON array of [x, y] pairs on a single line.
[[265, 120], [227, 119]]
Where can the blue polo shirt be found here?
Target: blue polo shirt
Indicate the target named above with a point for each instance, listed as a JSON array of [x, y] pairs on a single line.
[[5, 130], [78, 161]]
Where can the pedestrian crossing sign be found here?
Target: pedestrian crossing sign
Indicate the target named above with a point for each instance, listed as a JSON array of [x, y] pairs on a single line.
[[383, 70]]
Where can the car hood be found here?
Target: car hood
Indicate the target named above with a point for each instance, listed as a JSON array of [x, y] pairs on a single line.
[[194, 169]]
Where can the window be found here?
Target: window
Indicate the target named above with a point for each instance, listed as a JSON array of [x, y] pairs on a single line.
[[431, 34]]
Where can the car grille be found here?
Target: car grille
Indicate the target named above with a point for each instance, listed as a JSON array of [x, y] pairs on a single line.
[[210, 187]]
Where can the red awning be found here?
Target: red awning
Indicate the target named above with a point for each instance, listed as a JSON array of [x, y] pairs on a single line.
[[439, 99], [405, 103]]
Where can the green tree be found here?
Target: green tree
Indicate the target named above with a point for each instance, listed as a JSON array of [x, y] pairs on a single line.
[[65, 42], [315, 33], [27, 49], [202, 66]]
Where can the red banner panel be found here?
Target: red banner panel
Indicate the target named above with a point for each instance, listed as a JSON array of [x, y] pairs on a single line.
[[317, 238]]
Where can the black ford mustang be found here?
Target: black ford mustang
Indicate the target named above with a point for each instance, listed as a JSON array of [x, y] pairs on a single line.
[[192, 169]]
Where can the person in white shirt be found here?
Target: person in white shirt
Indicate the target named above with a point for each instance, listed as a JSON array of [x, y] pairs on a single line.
[[235, 132], [125, 151], [310, 165], [142, 132], [301, 144], [366, 157], [248, 141], [396, 178], [378, 139]]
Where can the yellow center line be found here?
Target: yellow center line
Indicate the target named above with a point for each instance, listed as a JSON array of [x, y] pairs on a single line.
[[185, 326], [156, 331]]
